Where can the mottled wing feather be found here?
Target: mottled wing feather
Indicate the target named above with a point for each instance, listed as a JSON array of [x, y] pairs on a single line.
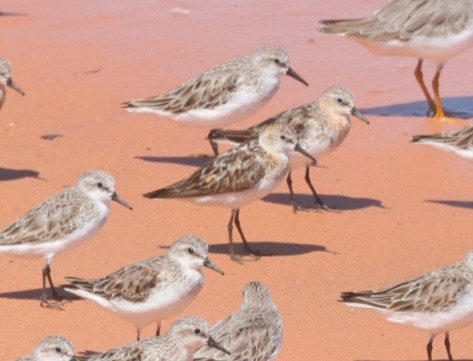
[[462, 139], [132, 283], [129, 353], [206, 91], [425, 294], [233, 171], [404, 19], [49, 221], [247, 338]]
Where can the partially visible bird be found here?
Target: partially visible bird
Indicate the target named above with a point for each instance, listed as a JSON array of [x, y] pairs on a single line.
[[6, 80], [52, 348]]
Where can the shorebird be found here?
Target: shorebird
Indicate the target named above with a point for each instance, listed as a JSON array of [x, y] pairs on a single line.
[[321, 126], [436, 30], [242, 175], [52, 348], [254, 332], [438, 302], [63, 221], [6, 80], [224, 94], [151, 290], [459, 141], [184, 337]]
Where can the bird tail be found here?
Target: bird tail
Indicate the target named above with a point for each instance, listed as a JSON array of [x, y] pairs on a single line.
[[233, 136]]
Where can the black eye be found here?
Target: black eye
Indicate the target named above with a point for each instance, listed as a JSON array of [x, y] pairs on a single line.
[[100, 185], [57, 349], [340, 100], [277, 61], [190, 250], [283, 137], [197, 331]]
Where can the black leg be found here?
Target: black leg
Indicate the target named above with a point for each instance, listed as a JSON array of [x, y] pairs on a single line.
[[138, 334], [158, 329], [295, 205], [447, 346], [430, 347], [318, 200], [230, 236], [253, 254]]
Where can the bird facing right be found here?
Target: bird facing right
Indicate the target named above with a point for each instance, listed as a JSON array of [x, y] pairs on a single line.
[[154, 289], [436, 30], [253, 333], [6, 80], [438, 302], [184, 337], [52, 348], [321, 126]]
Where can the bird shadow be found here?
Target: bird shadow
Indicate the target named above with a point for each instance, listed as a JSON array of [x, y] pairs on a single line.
[[463, 108], [197, 161], [7, 174], [271, 248], [8, 13], [342, 203], [451, 203], [35, 294]]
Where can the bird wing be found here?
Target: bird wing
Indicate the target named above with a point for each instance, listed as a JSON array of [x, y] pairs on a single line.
[[132, 283], [51, 220], [206, 91], [403, 19], [461, 139], [236, 170], [131, 352], [437, 291]]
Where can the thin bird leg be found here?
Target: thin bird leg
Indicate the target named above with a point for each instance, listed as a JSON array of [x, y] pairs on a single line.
[[420, 79], [430, 347], [295, 204], [447, 346], [253, 254], [230, 237], [439, 114], [318, 200], [158, 328], [213, 144], [46, 273], [138, 334]]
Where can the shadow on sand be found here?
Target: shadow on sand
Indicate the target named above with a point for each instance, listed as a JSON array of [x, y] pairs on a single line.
[[35, 294], [341, 203], [457, 107], [14, 174], [459, 204], [197, 161]]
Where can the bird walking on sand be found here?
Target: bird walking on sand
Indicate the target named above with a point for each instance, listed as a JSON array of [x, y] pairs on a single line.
[[62, 222], [321, 126], [459, 141], [52, 348], [242, 175], [151, 290], [436, 30], [6, 80], [254, 332], [184, 337], [224, 94], [438, 302]]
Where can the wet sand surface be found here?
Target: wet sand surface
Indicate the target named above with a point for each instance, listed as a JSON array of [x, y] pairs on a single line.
[[406, 209]]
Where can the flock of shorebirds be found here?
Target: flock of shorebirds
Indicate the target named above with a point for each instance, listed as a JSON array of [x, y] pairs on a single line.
[[158, 288]]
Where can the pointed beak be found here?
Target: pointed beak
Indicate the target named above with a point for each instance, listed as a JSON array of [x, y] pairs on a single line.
[[301, 150], [356, 113], [15, 86], [212, 343], [290, 72], [118, 199], [208, 263]]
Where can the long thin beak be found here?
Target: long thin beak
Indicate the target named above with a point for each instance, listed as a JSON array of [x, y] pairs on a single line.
[[290, 72], [356, 113], [15, 86], [301, 150], [208, 263], [118, 199], [212, 343]]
